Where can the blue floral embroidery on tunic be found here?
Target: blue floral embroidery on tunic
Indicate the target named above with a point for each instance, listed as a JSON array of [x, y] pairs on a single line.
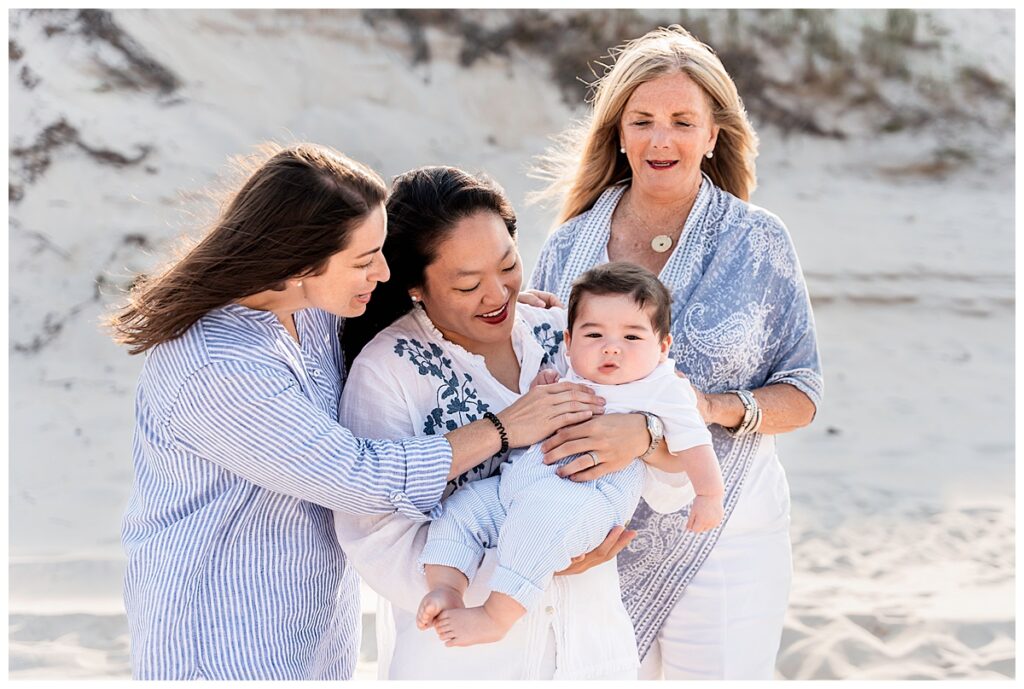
[[457, 401], [455, 396], [550, 340]]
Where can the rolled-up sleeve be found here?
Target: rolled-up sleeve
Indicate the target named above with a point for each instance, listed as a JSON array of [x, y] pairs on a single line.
[[797, 361], [256, 422], [384, 550]]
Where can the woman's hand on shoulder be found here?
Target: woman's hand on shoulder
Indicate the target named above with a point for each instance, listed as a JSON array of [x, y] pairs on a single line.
[[540, 299], [616, 540], [545, 409], [615, 439]]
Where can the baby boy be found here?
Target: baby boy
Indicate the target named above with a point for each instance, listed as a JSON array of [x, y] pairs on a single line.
[[617, 342]]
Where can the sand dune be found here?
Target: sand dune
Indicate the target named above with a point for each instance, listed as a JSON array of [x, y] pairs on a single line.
[[903, 518]]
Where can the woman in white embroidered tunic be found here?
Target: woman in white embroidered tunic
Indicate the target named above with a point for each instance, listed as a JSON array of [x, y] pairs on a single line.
[[233, 569], [464, 349], [659, 175]]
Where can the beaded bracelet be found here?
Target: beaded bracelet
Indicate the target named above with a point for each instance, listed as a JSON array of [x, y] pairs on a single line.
[[493, 418]]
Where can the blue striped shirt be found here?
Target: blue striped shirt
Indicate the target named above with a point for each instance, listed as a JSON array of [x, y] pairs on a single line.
[[234, 571]]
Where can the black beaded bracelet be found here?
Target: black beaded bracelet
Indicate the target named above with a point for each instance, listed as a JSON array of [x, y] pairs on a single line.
[[501, 430]]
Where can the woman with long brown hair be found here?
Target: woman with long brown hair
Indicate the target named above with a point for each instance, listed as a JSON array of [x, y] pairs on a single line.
[[233, 569]]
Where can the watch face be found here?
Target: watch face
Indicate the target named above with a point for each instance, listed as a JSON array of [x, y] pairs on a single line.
[[655, 426]]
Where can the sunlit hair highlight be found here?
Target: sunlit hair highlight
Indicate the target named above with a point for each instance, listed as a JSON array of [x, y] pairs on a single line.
[[297, 208]]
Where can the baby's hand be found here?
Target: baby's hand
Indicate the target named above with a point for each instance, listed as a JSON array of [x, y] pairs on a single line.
[[547, 376], [706, 513], [539, 298]]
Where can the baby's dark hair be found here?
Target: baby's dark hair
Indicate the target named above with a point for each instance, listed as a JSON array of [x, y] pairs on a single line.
[[628, 279]]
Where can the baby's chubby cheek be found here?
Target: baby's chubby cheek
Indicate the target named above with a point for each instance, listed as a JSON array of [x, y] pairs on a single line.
[[582, 364]]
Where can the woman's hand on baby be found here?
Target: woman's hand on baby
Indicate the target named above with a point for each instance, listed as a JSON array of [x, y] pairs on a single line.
[[616, 439], [542, 300], [545, 409], [617, 539]]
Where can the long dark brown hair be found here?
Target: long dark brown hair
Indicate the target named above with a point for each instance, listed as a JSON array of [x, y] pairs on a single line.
[[424, 205], [295, 210]]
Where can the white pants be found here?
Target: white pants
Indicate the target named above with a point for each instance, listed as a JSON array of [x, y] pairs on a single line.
[[728, 622], [421, 659]]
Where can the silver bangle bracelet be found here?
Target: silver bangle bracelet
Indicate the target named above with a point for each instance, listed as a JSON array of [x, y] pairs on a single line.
[[751, 414], [757, 422]]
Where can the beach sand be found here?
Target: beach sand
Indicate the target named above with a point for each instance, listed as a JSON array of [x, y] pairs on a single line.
[[903, 516]]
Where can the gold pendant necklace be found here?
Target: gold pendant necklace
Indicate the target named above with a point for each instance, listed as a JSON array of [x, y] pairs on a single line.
[[661, 243]]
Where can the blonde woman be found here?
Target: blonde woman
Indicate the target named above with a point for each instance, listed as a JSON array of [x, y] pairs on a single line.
[[660, 174]]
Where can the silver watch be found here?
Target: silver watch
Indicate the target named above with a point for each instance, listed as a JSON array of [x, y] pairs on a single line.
[[657, 430]]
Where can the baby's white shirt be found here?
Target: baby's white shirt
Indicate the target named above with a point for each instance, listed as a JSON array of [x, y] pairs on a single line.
[[671, 398]]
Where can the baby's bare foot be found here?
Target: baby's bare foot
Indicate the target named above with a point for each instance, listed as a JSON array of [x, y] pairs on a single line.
[[468, 626], [434, 603]]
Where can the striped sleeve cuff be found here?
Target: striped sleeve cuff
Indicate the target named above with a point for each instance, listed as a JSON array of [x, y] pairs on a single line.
[[516, 586], [462, 556], [428, 461]]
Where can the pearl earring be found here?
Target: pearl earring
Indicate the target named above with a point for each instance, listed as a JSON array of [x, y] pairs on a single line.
[[414, 298], [710, 153], [299, 283], [622, 149]]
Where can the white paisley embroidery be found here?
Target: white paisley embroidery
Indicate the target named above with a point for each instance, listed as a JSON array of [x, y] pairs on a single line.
[[736, 347], [650, 546], [766, 242]]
